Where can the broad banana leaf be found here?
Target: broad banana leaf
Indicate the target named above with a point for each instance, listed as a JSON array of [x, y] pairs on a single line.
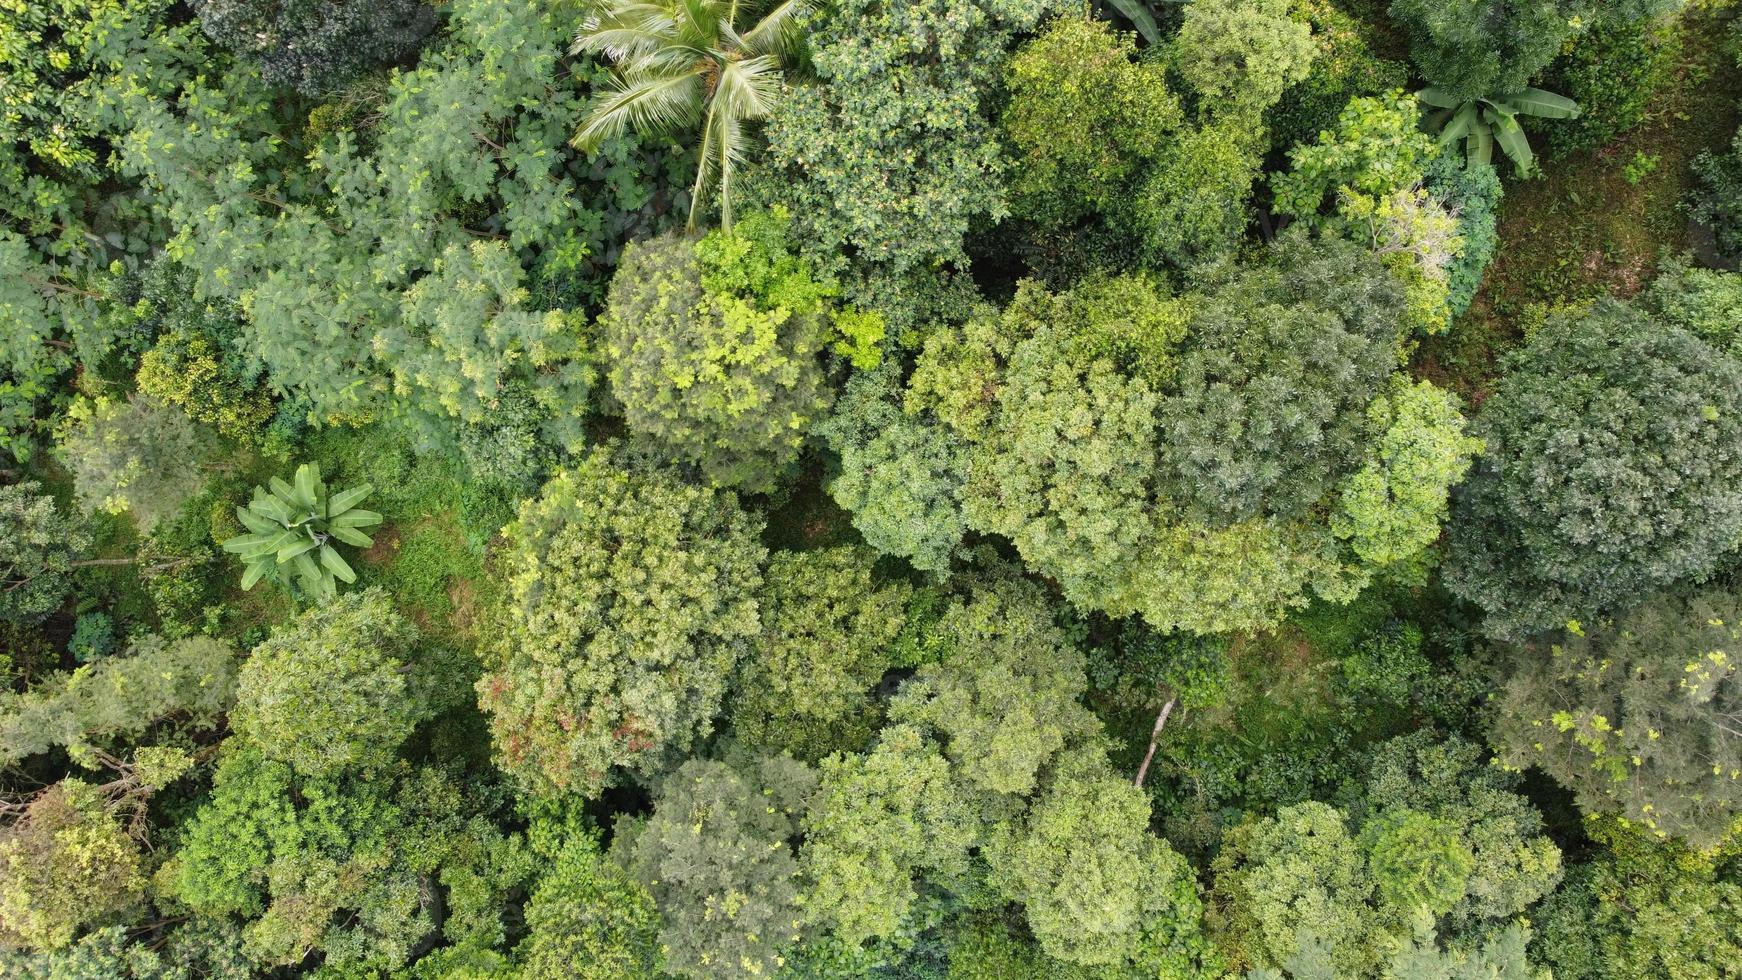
[[1137, 12], [347, 499], [351, 535], [308, 479], [1438, 98], [1479, 146], [1512, 140], [1544, 105], [1460, 124], [333, 563]]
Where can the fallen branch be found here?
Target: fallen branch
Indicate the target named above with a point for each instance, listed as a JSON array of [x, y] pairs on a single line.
[[1154, 738]]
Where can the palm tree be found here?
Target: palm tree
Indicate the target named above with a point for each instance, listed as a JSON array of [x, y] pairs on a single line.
[[683, 62]]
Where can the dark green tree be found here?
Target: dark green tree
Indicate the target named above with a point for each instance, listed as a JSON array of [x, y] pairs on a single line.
[[717, 856], [315, 46], [1614, 447]]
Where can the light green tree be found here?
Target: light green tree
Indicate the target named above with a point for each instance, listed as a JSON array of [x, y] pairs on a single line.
[[630, 599]]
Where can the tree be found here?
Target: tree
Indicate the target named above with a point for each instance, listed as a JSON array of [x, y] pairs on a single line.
[[328, 691], [588, 919], [66, 864], [465, 343], [1295, 874], [1469, 49], [717, 856], [198, 363], [1064, 467], [1239, 55], [1638, 717], [630, 600], [827, 626], [296, 525], [678, 64], [192, 681], [1644, 908], [1271, 399], [1435, 837], [316, 46], [1611, 470], [40, 546], [1391, 510], [289, 853], [1085, 120], [901, 473], [879, 821], [1098, 890], [890, 155], [139, 457], [714, 348], [1007, 697]]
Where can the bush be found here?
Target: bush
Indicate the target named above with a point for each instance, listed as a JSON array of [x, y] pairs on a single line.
[[315, 46], [1613, 70], [1705, 302], [1716, 200], [1471, 191]]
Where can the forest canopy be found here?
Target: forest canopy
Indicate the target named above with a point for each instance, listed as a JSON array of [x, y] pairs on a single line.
[[871, 490]]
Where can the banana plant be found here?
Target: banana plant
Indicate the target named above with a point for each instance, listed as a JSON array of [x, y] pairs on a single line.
[[293, 529], [1485, 121]]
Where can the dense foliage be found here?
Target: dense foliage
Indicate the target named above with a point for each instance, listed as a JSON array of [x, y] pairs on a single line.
[[870, 490]]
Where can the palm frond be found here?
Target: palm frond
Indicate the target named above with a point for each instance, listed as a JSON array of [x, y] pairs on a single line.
[[777, 33], [645, 101], [748, 89]]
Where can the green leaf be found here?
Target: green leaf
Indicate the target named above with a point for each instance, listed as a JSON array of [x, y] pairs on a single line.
[[1514, 143], [1458, 127], [270, 545], [1138, 14], [257, 523], [333, 563], [308, 476], [294, 548], [355, 518], [252, 573], [245, 542], [1544, 105], [1438, 98], [1479, 147], [347, 499], [284, 492], [351, 535], [310, 572]]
